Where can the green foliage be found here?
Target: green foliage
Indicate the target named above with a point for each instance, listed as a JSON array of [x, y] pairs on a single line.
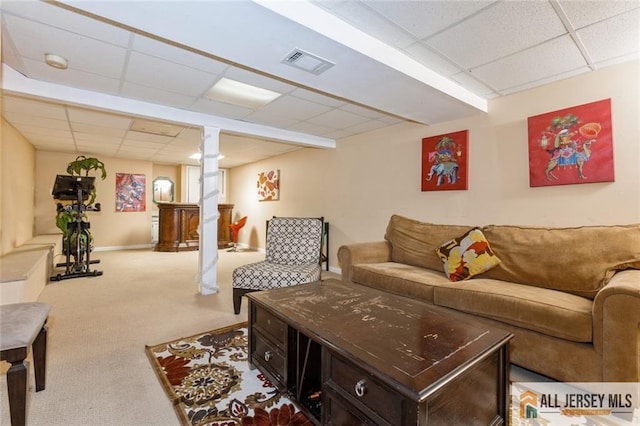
[[84, 164]]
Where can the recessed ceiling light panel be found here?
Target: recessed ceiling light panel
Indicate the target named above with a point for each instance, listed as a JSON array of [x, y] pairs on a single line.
[[307, 61], [238, 93]]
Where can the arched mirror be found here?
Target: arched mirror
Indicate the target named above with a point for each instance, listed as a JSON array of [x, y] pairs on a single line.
[[162, 190]]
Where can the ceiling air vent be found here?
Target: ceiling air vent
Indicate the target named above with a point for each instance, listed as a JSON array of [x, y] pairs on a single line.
[[307, 61]]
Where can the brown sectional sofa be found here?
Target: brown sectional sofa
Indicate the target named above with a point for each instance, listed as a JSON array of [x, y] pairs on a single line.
[[571, 296]]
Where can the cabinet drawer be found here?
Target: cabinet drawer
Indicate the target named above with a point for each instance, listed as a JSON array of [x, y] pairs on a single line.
[[364, 392], [339, 413], [270, 358], [270, 325]]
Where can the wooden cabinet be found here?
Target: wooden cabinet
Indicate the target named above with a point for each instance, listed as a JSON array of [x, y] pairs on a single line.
[[178, 227], [224, 232]]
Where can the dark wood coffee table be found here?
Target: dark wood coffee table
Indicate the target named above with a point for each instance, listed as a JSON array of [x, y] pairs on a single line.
[[350, 354]]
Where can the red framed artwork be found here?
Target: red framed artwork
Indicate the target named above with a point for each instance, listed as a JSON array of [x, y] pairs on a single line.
[[131, 193], [444, 161], [572, 145]]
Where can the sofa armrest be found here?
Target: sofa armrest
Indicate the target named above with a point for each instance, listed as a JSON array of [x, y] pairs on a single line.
[[371, 252], [616, 327]]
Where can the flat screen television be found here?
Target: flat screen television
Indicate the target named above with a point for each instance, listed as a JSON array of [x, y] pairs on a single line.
[[66, 187]]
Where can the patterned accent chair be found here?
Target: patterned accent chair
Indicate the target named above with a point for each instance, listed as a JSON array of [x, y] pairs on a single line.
[[293, 251]]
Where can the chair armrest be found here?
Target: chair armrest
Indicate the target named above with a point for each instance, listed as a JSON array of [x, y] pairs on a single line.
[[616, 327], [353, 254]]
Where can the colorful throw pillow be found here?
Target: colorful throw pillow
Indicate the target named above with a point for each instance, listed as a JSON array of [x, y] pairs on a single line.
[[467, 256]]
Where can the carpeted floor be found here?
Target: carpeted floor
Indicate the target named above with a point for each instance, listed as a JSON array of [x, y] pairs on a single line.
[[207, 378], [97, 370]]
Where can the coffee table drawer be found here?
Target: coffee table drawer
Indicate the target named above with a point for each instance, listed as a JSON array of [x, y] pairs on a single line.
[[363, 391], [270, 358], [270, 326]]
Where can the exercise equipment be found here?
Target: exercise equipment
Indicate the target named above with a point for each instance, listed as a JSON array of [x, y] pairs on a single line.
[[77, 242]]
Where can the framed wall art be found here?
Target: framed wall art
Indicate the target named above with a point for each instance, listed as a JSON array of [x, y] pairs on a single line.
[[131, 193], [572, 145], [269, 185], [444, 161]]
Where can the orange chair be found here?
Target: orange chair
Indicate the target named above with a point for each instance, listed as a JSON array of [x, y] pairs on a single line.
[[235, 230]]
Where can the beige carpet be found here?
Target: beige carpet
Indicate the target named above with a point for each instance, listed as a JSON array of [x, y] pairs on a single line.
[[97, 369]]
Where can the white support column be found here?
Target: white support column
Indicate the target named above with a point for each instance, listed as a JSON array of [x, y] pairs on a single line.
[[208, 230]]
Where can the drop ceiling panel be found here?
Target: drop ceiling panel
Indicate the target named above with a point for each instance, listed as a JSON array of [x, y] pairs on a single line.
[[177, 55], [148, 137], [47, 14], [38, 70], [532, 64], [155, 95], [33, 40], [498, 31], [192, 82], [604, 40], [101, 119], [583, 13], [338, 119], [101, 130], [294, 108], [426, 18], [34, 108], [97, 139]]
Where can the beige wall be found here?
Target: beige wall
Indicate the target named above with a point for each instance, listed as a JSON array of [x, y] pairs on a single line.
[[368, 177], [17, 158], [110, 229]]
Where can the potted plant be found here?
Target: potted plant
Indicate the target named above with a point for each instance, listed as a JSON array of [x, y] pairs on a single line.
[[69, 213]]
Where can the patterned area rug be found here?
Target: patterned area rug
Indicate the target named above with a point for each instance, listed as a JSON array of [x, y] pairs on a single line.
[[207, 377]]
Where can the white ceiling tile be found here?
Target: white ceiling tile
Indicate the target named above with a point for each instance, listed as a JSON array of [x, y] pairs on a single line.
[[551, 58], [366, 126], [498, 31], [133, 143], [100, 130], [338, 119], [546, 80], [582, 13], [175, 54], [33, 40], [38, 70], [102, 119], [148, 137], [58, 17], [149, 71], [365, 112], [32, 121], [424, 18], [11, 104], [156, 95], [96, 138], [619, 36], [317, 98]]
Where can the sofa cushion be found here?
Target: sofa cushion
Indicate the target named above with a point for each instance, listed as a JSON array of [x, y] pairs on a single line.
[[399, 278], [415, 243], [467, 256], [576, 260], [550, 312]]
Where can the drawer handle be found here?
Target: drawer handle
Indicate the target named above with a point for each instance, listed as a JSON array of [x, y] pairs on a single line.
[[361, 388], [267, 356]]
